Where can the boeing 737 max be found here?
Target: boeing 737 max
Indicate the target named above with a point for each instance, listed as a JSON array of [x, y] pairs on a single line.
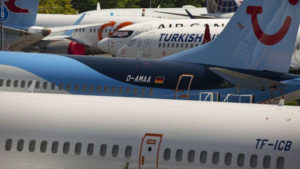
[[84, 132]]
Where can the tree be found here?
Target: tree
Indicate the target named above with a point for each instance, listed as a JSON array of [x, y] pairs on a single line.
[[56, 6], [84, 5]]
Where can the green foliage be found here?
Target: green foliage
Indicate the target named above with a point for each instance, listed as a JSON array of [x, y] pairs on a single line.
[[56, 6], [294, 103], [85, 5]]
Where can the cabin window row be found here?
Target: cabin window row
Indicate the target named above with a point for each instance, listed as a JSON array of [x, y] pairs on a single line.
[[177, 45], [228, 159], [53, 147], [77, 88]]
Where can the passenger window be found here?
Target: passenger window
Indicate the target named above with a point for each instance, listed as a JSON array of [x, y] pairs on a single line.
[[168, 45], [68, 86], [135, 90], [215, 158], [203, 157], [90, 149], [127, 90], [192, 45], [1, 82], [54, 148], [267, 162], [8, 83], [280, 163], [177, 45], [150, 92], [113, 90], [163, 45], [60, 86], [53, 85], [173, 45], [181, 45], [159, 45], [15, 83], [120, 90], [43, 147], [20, 145], [105, 89], [178, 155], [45, 85], [253, 161], [197, 44], [37, 85], [103, 149], [167, 154], [191, 156], [128, 151], [66, 147], [99, 89], [115, 151], [91, 88], [8, 144], [241, 160], [228, 159], [76, 87], [23, 83], [143, 91], [78, 148], [186, 45], [29, 84], [32, 144]]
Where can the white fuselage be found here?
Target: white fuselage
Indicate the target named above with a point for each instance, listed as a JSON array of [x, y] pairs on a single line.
[[118, 40], [159, 43], [76, 132]]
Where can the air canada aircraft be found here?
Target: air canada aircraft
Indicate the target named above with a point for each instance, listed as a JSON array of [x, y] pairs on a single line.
[[243, 60], [78, 132]]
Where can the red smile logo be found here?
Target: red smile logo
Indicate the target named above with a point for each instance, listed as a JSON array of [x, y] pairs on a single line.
[[263, 37], [12, 7]]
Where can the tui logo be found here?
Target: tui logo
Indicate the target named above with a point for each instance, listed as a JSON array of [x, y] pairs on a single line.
[[12, 7], [263, 37]]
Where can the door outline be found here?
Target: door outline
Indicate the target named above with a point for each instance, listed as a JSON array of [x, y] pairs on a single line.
[[147, 46], [187, 96], [141, 148]]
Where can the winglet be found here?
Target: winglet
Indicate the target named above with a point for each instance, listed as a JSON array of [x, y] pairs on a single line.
[[98, 6]]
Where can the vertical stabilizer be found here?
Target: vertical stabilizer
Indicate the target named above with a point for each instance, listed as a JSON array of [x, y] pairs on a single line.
[[21, 12], [221, 6], [260, 36]]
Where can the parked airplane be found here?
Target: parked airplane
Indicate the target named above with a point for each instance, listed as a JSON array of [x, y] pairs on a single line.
[[67, 132], [121, 37], [163, 42], [239, 61], [20, 30], [84, 40]]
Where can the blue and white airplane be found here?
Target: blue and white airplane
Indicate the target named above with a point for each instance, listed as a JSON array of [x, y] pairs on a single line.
[[250, 57]]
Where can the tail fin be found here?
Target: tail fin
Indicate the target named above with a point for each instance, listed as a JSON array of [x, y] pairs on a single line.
[[260, 36], [21, 12], [222, 6]]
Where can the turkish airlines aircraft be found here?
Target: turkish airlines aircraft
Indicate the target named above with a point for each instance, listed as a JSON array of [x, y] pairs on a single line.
[[241, 61], [121, 37], [164, 42], [77, 132]]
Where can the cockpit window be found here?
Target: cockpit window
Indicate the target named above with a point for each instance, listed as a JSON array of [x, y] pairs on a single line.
[[121, 34]]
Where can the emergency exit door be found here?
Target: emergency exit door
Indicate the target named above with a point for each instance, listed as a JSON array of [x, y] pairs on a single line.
[[149, 151]]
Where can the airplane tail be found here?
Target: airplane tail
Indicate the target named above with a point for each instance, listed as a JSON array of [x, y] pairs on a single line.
[[260, 36], [21, 12], [222, 6]]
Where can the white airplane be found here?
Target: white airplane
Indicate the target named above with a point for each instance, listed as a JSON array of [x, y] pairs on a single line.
[[159, 43], [20, 30], [164, 42], [120, 38], [77, 132]]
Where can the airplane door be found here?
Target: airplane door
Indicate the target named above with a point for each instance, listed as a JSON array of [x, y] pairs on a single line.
[[149, 151], [147, 46], [183, 86]]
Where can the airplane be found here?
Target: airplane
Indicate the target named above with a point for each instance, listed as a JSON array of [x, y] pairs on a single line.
[[20, 30], [76, 132], [84, 43], [156, 44], [224, 70], [163, 42], [121, 37]]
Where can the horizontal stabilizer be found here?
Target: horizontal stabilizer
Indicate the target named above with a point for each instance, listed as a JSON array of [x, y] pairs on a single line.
[[243, 80]]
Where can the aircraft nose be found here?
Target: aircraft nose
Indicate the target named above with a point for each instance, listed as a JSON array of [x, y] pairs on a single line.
[[104, 45]]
